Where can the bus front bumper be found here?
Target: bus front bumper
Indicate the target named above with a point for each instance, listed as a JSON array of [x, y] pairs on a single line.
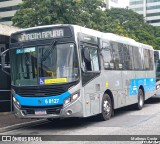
[[74, 109], [157, 94]]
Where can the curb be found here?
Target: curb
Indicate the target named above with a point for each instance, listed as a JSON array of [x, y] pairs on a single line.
[[20, 125], [5, 113]]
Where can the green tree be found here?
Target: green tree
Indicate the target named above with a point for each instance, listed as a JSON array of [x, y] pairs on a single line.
[[43, 12], [134, 26], [87, 13]]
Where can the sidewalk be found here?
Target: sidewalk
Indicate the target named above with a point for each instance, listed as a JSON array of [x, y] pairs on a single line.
[[9, 122]]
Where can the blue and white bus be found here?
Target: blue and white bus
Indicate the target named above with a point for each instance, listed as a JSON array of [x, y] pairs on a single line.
[[60, 71]]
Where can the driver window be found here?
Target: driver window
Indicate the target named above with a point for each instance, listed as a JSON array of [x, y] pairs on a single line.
[[90, 60]]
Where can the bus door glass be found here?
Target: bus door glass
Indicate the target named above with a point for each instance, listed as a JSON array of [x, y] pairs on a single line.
[[90, 78]]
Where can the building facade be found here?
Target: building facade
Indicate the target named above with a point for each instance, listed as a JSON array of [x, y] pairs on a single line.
[[150, 9], [7, 10], [111, 4]]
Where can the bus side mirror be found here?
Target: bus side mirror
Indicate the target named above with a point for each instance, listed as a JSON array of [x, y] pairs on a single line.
[[4, 66]]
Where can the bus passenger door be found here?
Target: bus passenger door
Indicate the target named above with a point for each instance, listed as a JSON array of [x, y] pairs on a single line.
[[91, 79]]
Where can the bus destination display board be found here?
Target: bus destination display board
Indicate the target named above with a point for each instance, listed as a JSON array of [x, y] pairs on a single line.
[[39, 34]]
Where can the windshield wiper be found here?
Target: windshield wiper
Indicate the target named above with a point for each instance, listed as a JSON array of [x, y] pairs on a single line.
[[48, 52]]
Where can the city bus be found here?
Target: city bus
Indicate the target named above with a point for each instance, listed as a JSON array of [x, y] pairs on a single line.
[[157, 70], [61, 71]]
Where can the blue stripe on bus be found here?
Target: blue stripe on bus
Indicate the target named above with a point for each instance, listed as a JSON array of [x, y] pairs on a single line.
[[147, 83], [42, 101]]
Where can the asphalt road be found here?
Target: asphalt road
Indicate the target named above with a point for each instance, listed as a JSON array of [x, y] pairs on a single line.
[[126, 121]]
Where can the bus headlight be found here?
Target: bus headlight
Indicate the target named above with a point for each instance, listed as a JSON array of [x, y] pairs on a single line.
[[71, 98], [157, 87], [75, 96], [16, 102], [66, 101]]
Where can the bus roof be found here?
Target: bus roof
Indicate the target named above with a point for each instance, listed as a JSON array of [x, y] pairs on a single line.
[[141, 45], [120, 39], [108, 36], [45, 26], [111, 37]]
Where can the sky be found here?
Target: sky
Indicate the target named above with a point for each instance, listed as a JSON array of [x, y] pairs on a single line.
[[123, 3]]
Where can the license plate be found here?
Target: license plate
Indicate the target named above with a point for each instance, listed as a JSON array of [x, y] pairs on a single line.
[[40, 112]]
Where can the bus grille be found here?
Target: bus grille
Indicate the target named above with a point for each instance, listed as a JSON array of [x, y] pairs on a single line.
[[51, 110], [40, 91]]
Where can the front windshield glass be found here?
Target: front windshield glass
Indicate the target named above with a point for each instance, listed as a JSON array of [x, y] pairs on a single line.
[[44, 65], [157, 63]]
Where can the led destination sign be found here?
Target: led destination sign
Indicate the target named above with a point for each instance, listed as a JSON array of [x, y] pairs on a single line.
[[38, 34], [42, 35]]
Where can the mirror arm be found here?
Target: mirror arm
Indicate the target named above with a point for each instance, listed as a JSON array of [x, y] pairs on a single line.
[[3, 54]]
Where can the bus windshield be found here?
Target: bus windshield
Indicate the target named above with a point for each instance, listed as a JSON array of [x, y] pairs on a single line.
[[42, 65], [157, 63]]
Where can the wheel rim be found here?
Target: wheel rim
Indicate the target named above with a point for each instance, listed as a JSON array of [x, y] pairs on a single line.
[[106, 107], [141, 99]]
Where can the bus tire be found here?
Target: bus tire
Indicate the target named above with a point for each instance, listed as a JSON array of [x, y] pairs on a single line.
[[140, 103], [106, 108]]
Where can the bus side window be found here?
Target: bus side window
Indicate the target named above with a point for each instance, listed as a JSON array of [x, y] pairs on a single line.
[[121, 56], [127, 58], [151, 61], [131, 63], [118, 65], [137, 59], [108, 60], [146, 59]]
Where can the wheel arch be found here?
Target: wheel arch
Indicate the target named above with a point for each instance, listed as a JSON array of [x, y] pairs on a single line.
[[111, 96], [142, 88]]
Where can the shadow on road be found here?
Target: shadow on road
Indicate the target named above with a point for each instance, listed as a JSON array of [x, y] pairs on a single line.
[[74, 123], [153, 100]]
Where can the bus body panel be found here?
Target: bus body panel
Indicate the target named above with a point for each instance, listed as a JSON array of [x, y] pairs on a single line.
[[113, 81], [92, 96], [128, 77]]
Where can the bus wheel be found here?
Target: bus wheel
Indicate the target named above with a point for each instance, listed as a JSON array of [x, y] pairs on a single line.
[[106, 108], [140, 103]]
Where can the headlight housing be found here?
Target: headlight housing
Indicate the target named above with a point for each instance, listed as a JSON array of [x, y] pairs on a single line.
[[157, 87], [16, 102], [72, 98]]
